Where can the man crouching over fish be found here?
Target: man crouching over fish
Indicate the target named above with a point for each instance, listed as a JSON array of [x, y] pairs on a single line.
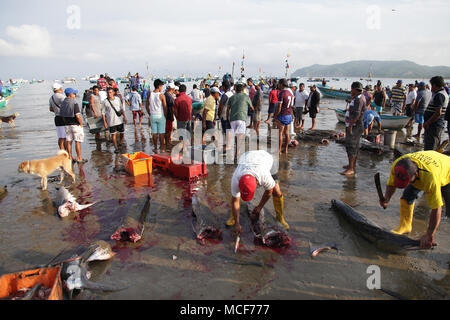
[[254, 168], [427, 171]]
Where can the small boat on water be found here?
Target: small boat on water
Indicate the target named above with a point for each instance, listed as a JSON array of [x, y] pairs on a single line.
[[388, 121], [330, 92], [69, 80]]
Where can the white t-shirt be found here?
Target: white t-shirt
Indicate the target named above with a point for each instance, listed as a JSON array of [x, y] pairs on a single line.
[[156, 106], [110, 115], [300, 98], [197, 95], [412, 95], [257, 164]]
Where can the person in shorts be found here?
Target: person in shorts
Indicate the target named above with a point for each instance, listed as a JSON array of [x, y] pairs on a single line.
[[313, 105], [71, 112], [157, 109], [237, 110], [284, 114], [421, 104], [273, 102], [301, 97], [55, 106], [112, 113], [257, 102], [134, 101]]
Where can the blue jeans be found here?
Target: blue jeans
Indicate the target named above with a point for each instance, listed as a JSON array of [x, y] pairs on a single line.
[[411, 194]]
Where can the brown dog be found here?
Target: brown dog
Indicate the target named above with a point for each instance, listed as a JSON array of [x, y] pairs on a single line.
[[9, 119], [44, 167]]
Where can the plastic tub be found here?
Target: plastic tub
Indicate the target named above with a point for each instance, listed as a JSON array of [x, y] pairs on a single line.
[[138, 163]]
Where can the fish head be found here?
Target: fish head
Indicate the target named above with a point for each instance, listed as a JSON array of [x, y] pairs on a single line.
[[101, 251], [66, 209], [276, 239]]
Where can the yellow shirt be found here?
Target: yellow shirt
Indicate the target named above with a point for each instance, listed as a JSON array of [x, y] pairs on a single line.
[[434, 174], [210, 107]]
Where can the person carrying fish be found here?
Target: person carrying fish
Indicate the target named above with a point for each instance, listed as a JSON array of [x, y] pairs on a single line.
[[427, 171], [254, 168]]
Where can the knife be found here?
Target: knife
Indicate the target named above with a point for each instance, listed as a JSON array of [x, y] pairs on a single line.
[[379, 190], [238, 240]]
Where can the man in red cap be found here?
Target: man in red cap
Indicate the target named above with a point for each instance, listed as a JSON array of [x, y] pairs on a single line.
[[254, 168], [427, 171]]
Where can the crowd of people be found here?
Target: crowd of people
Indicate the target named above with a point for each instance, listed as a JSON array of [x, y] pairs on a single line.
[[232, 105]]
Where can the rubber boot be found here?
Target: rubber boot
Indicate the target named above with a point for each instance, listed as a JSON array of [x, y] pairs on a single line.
[[278, 204], [231, 222], [406, 217]]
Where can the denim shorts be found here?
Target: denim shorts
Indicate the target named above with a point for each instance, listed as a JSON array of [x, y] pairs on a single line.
[[418, 118], [285, 120], [158, 123]]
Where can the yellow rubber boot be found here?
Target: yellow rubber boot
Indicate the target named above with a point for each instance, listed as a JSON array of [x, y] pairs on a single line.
[[278, 204], [406, 218], [231, 222]]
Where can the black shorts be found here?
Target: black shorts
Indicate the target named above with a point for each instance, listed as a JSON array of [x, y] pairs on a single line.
[[272, 107], [312, 113], [209, 125], [299, 113], [409, 111], [59, 121], [353, 141], [120, 128], [225, 125]]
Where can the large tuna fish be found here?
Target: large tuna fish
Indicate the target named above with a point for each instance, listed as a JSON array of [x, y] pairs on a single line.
[[267, 230], [205, 223], [133, 225], [381, 238]]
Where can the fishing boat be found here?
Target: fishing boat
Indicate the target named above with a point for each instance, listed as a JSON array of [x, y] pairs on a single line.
[[69, 80], [389, 122], [11, 285], [334, 93]]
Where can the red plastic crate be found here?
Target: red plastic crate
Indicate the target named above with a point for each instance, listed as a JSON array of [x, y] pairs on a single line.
[[162, 161], [189, 171]]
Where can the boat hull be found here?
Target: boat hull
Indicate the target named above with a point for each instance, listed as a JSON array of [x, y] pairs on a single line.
[[388, 121], [333, 93]]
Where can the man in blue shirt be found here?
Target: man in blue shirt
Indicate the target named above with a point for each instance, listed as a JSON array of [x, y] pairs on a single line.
[[369, 117]]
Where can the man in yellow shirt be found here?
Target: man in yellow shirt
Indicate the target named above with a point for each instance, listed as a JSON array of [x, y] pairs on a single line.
[[427, 171], [209, 109]]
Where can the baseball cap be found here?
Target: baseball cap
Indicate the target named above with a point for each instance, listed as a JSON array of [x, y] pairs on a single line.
[[422, 84], [177, 88], [56, 86], [247, 185], [357, 85], [70, 90], [403, 172], [400, 81], [294, 84], [171, 85], [215, 90]]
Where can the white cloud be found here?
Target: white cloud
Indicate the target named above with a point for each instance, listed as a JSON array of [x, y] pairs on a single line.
[[26, 40]]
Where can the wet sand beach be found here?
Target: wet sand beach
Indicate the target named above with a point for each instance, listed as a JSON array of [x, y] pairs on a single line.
[[169, 263]]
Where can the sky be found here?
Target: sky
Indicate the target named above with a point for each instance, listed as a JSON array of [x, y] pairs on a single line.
[[49, 39]]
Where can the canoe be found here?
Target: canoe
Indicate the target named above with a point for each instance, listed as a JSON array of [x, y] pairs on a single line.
[[388, 121], [50, 279], [333, 93]]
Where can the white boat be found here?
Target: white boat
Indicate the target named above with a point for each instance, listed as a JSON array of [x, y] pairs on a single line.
[[389, 122], [94, 79], [69, 80]]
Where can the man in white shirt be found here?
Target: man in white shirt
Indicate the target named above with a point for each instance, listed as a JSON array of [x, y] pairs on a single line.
[[197, 95], [112, 111], [254, 168], [301, 97], [410, 101]]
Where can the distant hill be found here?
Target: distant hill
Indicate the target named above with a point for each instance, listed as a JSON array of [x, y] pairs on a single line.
[[379, 69]]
